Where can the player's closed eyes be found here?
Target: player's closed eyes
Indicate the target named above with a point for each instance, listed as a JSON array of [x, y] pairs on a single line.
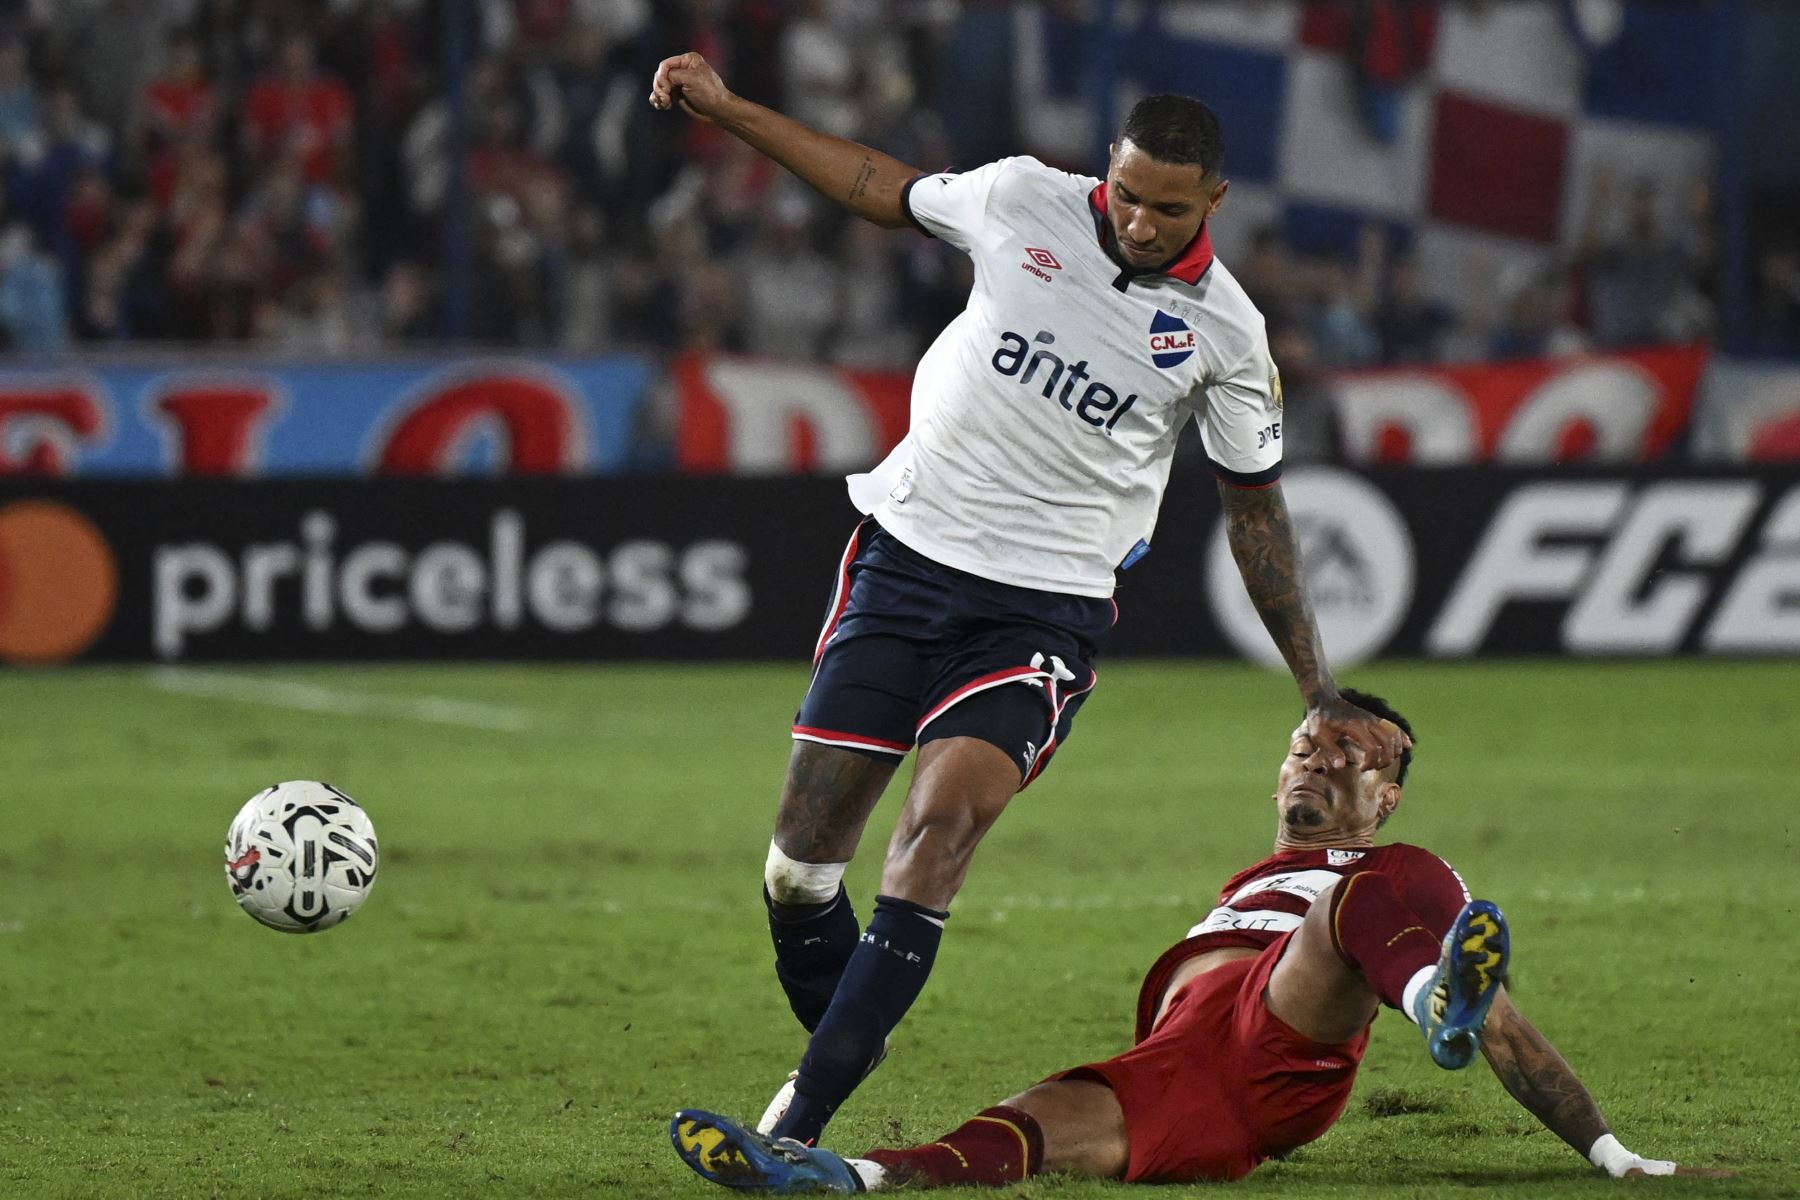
[[1167, 210]]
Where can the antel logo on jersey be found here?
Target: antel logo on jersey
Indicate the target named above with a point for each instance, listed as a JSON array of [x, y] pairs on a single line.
[[1171, 340], [1044, 260], [59, 583], [1098, 405], [1358, 557], [314, 583]]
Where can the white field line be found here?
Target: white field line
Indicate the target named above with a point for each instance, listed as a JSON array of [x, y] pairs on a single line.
[[996, 910], [999, 907], [312, 697]]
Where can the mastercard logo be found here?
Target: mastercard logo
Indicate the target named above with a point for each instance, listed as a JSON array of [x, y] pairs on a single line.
[[59, 583]]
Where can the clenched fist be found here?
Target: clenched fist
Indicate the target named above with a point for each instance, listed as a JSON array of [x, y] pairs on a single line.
[[689, 80]]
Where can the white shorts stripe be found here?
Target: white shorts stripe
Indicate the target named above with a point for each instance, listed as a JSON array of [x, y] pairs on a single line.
[[1062, 702], [998, 679], [851, 742], [840, 595]]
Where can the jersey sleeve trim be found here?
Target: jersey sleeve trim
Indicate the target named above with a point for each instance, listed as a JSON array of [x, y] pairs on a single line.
[[906, 205], [1246, 479]]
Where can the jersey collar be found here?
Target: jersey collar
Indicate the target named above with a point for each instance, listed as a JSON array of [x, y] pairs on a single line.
[[1188, 266]]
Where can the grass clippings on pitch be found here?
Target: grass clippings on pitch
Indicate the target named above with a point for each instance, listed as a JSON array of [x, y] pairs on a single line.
[[565, 943]]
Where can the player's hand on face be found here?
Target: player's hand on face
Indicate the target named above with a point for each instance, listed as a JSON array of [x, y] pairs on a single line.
[[688, 80], [1339, 728]]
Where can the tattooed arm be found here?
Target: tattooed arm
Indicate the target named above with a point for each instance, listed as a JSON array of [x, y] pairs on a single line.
[[1262, 541], [867, 182], [1530, 1068]]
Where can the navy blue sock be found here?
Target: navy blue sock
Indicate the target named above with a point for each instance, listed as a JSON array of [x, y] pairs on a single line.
[[812, 945], [883, 978]]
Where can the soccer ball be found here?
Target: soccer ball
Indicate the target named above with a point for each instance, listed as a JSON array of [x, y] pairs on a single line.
[[301, 856]]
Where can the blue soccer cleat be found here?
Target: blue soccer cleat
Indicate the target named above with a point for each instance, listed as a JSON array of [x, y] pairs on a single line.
[[726, 1153], [1470, 971]]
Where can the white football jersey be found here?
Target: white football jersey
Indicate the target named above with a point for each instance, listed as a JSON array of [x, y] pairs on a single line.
[[1044, 417]]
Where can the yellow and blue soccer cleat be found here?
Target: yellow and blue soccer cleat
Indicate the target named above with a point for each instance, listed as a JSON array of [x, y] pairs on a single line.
[[1470, 971], [721, 1150]]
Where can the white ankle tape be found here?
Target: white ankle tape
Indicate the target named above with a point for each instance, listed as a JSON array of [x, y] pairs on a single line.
[[793, 882], [1409, 998], [874, 1176]]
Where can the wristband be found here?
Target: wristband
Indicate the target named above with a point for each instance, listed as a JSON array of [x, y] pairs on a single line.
[[1607, 1154]]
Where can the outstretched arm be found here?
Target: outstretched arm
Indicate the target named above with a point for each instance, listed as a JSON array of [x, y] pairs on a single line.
[[865, 181], [1261, 536], [1530, 1068]]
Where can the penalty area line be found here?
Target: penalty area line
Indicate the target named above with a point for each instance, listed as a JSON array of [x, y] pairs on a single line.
[[312, 697]]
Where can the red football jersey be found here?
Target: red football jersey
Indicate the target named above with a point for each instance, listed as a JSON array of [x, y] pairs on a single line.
[[1262, 902]]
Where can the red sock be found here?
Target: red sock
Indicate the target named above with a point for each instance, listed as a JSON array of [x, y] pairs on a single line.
[[995, 1147], [1377, 933]]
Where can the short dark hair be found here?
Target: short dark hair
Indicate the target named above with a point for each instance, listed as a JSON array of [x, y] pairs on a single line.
[[1387, 712], [1176, 129]]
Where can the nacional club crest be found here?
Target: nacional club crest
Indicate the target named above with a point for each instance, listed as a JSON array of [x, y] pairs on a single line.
[[1171, 340]]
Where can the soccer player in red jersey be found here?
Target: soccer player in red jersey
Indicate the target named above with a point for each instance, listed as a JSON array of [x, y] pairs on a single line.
[[1249, 1030]]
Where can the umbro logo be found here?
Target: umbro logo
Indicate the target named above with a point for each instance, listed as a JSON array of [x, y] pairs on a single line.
[[1041, 264]]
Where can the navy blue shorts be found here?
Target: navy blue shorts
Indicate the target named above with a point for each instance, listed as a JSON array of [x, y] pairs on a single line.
[[912, 651]]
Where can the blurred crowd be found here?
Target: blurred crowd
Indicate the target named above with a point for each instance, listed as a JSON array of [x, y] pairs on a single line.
[[281, 172]]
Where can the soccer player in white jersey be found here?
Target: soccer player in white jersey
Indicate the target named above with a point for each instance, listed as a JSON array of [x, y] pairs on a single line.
[[1250, 1029], [975, 594]]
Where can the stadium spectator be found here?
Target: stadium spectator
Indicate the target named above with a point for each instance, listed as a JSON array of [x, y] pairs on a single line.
[[21, 117], [870, 330], [678, 296], [1310, 432], [1540, 321], [1411, 325], [1270, 275], [790, 289], [158, 97], [406, 304], [31, 295], [296, 112], [1778, 301], [176, 108], [1639, 280], [234, 36], [819, 70], [1342, 304], [107, 48]]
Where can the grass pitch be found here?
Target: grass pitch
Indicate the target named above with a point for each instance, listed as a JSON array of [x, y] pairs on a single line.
[[566, 944]]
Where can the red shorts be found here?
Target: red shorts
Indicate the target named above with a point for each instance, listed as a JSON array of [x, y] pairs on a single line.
[[1222, 1085]]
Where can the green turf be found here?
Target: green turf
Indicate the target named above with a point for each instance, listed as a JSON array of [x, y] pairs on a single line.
[[566, 944]]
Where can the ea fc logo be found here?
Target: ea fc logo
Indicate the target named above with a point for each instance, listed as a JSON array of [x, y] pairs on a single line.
[[1358, 556], [58, 582], [1171, 341]]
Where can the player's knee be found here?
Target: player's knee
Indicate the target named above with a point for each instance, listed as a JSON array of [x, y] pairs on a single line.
[[1315, 931], [792, 882]]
